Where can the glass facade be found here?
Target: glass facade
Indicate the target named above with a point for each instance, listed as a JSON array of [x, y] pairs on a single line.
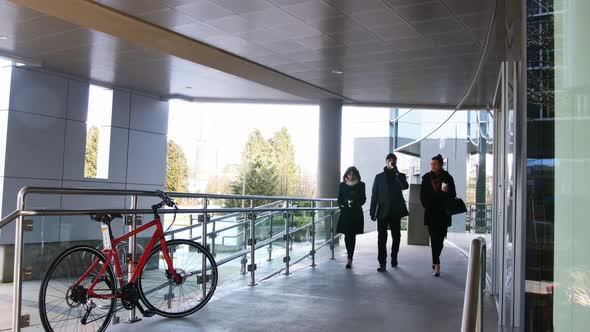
[[558, 110]]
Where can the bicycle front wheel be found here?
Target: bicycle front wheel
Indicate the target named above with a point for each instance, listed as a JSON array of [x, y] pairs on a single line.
[[173, 299], [64, 304]]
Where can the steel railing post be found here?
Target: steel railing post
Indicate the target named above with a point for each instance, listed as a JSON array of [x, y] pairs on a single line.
[[17, 282], [132, 317], [332, 229], [313, 213], [287, 237], [204, 242], [252, 266], [270, 236]]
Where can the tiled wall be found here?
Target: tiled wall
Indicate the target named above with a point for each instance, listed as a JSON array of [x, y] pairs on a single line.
[[44, 132]]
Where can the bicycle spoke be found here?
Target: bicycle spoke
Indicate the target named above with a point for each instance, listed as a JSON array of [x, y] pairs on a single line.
[[176, 300], [63, 304]]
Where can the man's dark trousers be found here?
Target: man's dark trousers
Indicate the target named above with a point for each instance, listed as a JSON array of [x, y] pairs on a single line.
[[394, 224]]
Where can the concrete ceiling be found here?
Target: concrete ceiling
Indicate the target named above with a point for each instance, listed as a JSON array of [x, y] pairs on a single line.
[[390, 52]]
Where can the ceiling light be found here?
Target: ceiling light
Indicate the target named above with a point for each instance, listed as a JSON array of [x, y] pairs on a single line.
[[188, 87], [337, 72], [3, 37]]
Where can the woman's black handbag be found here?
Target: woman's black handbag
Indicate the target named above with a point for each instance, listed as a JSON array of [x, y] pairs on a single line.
[[455, 206]]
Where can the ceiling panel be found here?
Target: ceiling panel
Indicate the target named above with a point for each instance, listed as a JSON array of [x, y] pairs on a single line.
[[233, 24], [355, 6], [241, 6], [167, 17], [383, 42], [135, 7], [423, 11], [109, 60], [312, 10], [204, 10], [271, 17], [378, 18]]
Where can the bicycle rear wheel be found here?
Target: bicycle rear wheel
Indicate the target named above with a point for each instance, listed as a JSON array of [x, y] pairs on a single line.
[[168, 298], [63, 304]]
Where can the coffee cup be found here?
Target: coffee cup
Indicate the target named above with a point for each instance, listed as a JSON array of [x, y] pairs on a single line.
[[444, 186]]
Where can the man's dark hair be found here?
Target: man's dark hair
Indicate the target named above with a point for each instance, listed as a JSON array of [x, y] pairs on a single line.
[[439, 158], [391, 156]]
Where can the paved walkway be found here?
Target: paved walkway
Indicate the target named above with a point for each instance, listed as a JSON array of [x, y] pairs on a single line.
[[331, 298]]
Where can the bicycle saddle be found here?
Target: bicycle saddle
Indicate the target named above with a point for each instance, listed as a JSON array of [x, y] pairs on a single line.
[[104, 217]]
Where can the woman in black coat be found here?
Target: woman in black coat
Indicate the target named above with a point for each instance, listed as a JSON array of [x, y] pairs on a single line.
[[437, 187], [351, 197]]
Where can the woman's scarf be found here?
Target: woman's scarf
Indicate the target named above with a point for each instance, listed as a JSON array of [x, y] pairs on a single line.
[[351, 183]]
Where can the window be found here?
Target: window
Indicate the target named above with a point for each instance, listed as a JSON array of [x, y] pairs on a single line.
[[98, 132]]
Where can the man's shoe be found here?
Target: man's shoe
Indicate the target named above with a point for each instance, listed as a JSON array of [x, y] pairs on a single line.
[[394, 263], [381, 268]]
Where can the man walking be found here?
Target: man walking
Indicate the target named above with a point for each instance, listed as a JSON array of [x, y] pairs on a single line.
[[388, 206]]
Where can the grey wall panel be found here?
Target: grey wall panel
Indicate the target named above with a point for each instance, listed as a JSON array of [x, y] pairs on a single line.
[[3, 133], [38, 92], [118, 155], [50, 225], [35, 146], [78, 228], [75, 150], [144, 202], [45, 149], [149, 114], [77, 100], [121, 108], [147, 158]]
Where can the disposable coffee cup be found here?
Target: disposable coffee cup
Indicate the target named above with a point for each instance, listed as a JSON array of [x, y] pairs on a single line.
[[444, 186]]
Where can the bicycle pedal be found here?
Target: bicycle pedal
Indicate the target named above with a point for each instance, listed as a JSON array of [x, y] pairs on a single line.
[[149, 313], [144, 312]]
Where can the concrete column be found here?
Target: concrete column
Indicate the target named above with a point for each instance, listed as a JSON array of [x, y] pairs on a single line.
[[330, 140]]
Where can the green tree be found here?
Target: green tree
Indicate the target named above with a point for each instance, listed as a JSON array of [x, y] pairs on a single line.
[[288, 175], [176, 168], [91, 153], [258, 167]]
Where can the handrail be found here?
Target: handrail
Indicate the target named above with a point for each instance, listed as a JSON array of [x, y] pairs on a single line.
[[21, 212], [472, 320]]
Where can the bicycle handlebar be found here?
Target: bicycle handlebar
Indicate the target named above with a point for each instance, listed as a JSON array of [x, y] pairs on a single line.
[[166, 200]]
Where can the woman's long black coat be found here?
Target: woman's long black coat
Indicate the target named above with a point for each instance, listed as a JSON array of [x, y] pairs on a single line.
[[433, 201], [351, 219]]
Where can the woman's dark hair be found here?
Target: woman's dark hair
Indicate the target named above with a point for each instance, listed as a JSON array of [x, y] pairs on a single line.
[[354, 172], [439, 158]]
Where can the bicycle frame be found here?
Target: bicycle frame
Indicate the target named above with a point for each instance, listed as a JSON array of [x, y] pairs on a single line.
[[112, 254]]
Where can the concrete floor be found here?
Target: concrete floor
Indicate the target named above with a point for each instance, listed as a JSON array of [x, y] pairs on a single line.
[[331, 298]]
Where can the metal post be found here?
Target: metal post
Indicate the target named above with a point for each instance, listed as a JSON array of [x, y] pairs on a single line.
[[287, 238], [204, 242], [244, 244], [313, 234], [190, 231], [332, 230], [213, 237], [269, 236], [132, 317], [482, 284], [252, 266], [16, 283]]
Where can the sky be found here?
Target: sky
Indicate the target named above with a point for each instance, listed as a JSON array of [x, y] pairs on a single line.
[[218, 131]]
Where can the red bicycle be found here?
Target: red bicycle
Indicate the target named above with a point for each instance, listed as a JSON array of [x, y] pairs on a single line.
[[172, 278]]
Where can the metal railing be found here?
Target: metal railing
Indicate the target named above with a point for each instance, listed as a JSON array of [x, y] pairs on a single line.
[[472, 320], [251, 214]]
